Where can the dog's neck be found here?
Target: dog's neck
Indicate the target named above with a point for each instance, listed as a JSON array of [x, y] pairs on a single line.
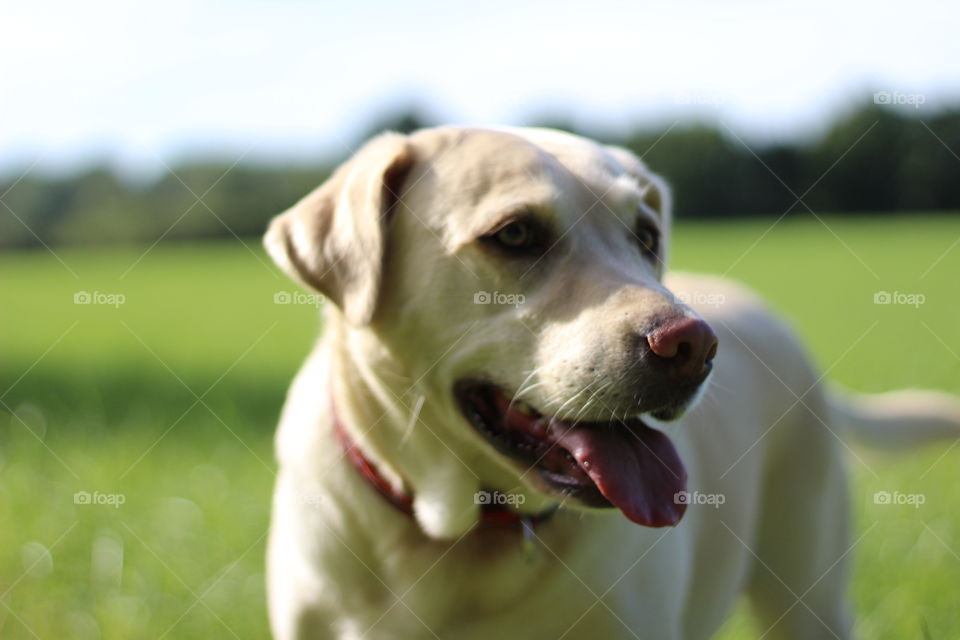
[[494, 515], [406, 440]]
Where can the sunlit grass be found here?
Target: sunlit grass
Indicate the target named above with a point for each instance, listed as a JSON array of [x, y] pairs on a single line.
[[105, 399]]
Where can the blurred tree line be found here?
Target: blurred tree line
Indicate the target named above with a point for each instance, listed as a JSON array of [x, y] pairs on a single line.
[[876, 159]]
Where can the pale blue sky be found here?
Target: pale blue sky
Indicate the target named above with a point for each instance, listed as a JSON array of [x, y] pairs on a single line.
[[137, 82]]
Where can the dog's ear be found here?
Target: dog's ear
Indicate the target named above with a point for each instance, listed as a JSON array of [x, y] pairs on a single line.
[[333, 241], [657, 196], [656, 192]]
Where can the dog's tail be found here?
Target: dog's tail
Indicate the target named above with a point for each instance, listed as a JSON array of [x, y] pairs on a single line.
[[898, 419]]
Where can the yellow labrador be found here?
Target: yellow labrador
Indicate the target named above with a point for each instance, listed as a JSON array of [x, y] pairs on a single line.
[[499, 434]]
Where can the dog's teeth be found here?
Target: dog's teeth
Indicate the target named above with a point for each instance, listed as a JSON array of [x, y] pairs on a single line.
[[523, 407]]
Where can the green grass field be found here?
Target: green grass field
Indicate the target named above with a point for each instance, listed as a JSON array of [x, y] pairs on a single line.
[[168, 403]]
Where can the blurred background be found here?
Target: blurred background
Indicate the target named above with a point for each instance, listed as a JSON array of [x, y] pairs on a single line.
[[147, 340]]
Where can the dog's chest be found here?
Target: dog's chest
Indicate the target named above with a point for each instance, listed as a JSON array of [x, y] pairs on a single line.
[[485, 584]]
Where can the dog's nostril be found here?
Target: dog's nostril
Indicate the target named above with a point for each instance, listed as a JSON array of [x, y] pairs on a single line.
[[712, 353], [688, 345]]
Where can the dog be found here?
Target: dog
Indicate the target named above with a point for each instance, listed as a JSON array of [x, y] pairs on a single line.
[[514, 426]]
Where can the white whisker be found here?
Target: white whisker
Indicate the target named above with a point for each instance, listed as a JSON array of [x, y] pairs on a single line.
[[413, 419]]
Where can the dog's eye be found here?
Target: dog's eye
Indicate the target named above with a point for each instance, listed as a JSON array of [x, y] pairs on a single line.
[[515, 235], [648, 239], [520, 236]]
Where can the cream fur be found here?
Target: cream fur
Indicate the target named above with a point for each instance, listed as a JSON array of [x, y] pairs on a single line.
[[402, 326]]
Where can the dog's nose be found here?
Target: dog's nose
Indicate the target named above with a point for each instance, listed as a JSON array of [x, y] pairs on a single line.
[[688, 345]]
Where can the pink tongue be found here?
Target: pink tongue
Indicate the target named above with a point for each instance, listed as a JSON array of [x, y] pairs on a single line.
[[637, 470]]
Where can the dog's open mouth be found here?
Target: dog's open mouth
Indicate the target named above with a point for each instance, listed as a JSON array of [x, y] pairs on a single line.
[[622, 463]]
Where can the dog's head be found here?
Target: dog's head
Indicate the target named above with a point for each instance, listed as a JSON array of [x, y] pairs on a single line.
[[514, 278]]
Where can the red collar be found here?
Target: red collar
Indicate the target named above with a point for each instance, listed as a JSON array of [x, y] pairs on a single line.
[[492, 516]]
